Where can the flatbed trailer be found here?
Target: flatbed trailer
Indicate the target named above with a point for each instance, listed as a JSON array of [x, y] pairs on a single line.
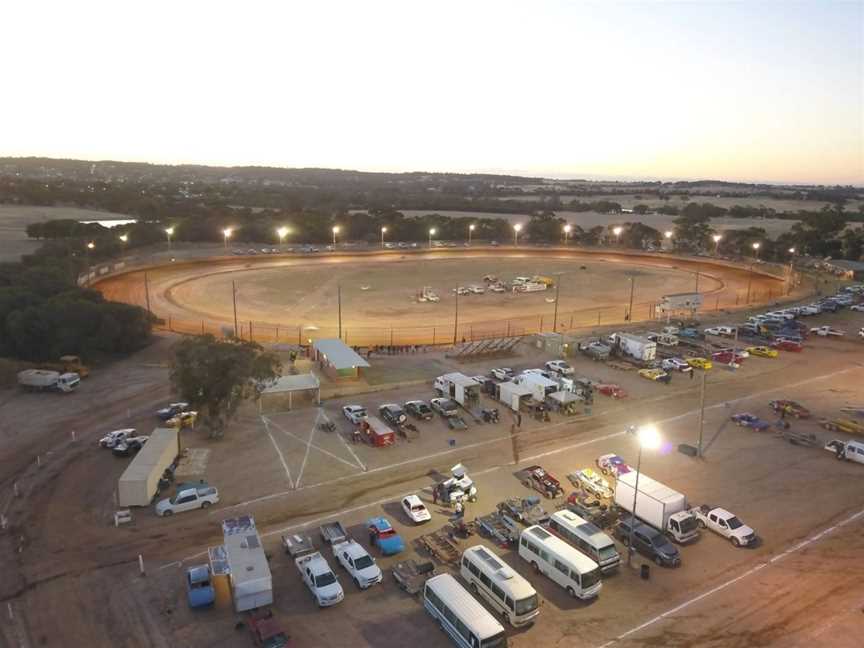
[[498, 527], [296, 545], [441, 547], [333, 532], [796, 437]]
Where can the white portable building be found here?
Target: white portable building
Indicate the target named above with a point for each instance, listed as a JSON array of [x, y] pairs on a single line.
[[140, 480], [251, 582], [512, 394]]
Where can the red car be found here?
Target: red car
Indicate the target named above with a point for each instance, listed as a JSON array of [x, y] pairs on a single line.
[[787, 345], [790, 407], [537, 478], [727, 356], [267, 632], [612, 390]]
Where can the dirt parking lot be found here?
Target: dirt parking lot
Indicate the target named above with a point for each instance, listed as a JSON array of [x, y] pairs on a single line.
[[800, 586]]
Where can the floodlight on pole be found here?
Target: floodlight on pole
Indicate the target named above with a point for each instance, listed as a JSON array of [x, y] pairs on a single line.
[[335, 232], [470, 231], [617, 232], [756, 247], [717, 238], [432, 231], [169, 232], [516, 229], [383, 232], [567, 229], [792, 250], [647, 437], [282, 232], [124, 238], [226, 234]]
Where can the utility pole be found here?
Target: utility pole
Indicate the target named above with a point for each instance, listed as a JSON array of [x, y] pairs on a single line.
[[339, 306], [630, 308], [701, 412], [697, 282], [456, 319], [234, 298], [555, 317], [147, 291]]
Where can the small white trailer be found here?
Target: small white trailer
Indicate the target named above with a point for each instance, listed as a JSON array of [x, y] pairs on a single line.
[[512, 394], [635, 346], [461, 388], [539, 385]]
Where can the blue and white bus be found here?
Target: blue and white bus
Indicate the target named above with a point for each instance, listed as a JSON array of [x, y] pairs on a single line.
[[467, 622]]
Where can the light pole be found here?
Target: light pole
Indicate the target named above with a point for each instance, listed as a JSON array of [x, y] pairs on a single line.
[[668, 236], [567, 229], [647, 437], [335, 232], [716, 238], [630, 308], [124, 239], [756, 247], [282, 232], [226, 234], [470, 231], [516, 229], [169, 232], [432, 231], [617, 232], [383, 232], [791, 270]]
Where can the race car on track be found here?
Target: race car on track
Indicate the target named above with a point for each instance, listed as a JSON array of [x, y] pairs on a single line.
[[612, 464], [751, 421], [848, 426], [655, 374], [790, 407], [762, 352], [700, 363]]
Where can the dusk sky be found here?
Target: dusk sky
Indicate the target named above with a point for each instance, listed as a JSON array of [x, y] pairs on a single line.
[[767, 91]]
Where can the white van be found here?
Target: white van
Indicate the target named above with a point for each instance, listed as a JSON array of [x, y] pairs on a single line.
[[560, 562], [848, 450], [587, 538], [511, 595]]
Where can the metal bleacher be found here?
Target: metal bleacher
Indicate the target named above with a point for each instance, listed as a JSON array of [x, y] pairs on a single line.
[[487, 347]]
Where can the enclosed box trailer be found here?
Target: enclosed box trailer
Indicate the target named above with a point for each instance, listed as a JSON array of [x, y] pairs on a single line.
[[512, 394], [140, 481], [251, 581]]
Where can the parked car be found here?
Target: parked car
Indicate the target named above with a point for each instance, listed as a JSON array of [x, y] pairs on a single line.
[[172, 410], [559, 367], [536, 478], [790, 407], [849, 426], [826, 331], [648, 541], [502, 373], [610, 389], [858, 308], [384, 536], [392, 413], [726, 524], [675, 364], [727, 331], [445, 407], [419, 409], [415, 509], [354, 413], [592, 482], [612, 464], [188, 498], [354, 559], [655, 374], [117, 436], [785, 344], [129, 445], [745, 419], [199, 588], [266, 631], [762, 352]]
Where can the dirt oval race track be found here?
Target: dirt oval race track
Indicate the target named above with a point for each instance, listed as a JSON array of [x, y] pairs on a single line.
[[294, 298]]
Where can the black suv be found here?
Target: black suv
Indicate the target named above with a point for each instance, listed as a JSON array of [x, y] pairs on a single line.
[[392, 413], [649, 542], [419, 410]]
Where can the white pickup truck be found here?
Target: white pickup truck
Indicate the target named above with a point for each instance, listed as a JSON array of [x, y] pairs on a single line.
[[724, 523], [357, 562], [188, 497], [320, 579]]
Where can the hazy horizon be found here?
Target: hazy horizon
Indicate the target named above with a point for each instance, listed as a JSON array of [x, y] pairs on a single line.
[[741, 92]]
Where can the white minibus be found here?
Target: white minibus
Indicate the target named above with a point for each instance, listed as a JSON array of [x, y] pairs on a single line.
[[587, 538], [511, 595], [467, 622], [560, 562]]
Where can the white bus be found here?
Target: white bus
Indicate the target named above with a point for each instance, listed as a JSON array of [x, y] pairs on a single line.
[[557, 560], [587, 538], [467, 622], [511, 595]]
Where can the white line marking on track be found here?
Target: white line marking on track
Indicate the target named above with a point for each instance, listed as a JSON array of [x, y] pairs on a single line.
[[266, 422], [732, 581], [308, 447], [348, 448], [309, 443]]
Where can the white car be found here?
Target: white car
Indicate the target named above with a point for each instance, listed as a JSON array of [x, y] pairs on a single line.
[[809, 309], [477, 290], [825, 331], [675, 364], [415, 509], [539, 372], [320, 579], [560, 367], [502, 373], [116, 437], [356, 561], [354, 413], [857, 307], [724, 523]]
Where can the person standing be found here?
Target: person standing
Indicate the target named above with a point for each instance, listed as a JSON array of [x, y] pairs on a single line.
[[435, 495]]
